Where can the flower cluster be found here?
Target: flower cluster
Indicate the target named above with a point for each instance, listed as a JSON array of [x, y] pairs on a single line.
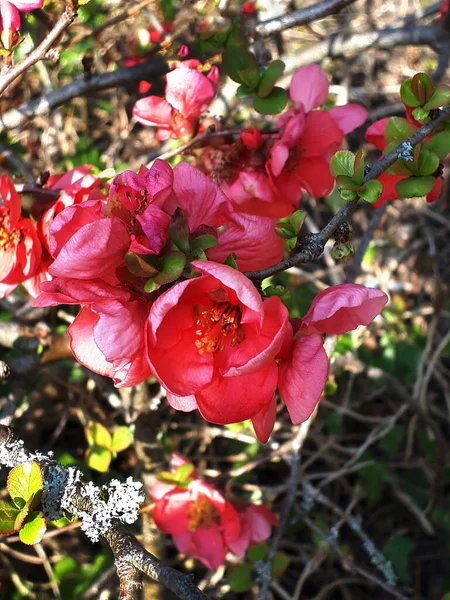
[[202, 521], [157, 264]]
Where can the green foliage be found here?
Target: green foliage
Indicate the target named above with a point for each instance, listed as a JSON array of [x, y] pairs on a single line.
[[25, 486], [243, 577], [271, 104], [348, 169], [103, 446], [398, 550]]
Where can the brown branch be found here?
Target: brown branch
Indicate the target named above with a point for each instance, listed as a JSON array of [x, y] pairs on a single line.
[[315, 243], [40, 51], [150, 69], [302, 16]]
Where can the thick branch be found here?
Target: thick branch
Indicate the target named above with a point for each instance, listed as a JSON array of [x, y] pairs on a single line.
[[316, 242], [40, 52], [152, 68], [302, 16]]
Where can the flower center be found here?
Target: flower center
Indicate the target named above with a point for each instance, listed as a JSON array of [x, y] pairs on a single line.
[[216, 325], [201, 513], [9, 238]]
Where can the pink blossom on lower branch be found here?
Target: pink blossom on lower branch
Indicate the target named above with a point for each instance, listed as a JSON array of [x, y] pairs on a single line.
[[202, 521]]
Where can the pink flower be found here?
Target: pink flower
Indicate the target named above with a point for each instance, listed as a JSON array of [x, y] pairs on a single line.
[[200, 520], [223, 338], [20, 249], [188, 94], [303, 370], [10, 18], [300, 158], [203, 523]]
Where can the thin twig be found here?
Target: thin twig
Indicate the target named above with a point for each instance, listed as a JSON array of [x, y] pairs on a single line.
[[40, 52]]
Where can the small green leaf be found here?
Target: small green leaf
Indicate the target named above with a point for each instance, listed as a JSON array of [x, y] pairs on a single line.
[[429, 162], [358, 169], [231, 261], [98, 458], [415, 186], [183, 472], [441, 97], [241, 579], [236, 60], [284, 230], [250, 77], [397, 550], [97, 435], [343, 163], [172, 266], [139, 266], [421, 115], [272, 104], [122, 438], [373, 191], [24, 481], [341, 250], [8, 516], [279, 564], [33, 529], [422, 87], [151, 286], [439, 144], [204, 242], [273, 72], [296, 220], [243, 91], [280, 291], [348, 184], [398, 129], [256, 553], [407, 95]]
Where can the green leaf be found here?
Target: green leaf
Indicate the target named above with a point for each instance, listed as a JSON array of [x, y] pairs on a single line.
[[439, 144], [422, 87], [97, 435], [273, 72], [98, 458], [429, 162], [296, 220], [151, 286], [421, 115], [33, 529], [374, 479], [279, 564], [341, 250], [398, 129], [24, 481], [64, 567], [250, 77], [347, 184], [407, 95], [203, 242], [241, 579], [272, 104], [172, 266], [243, 91], [358, 170], [343, 163], [237, 60], [415, 186], [392, 441], [183, 472], [256, 553], [373, 191], [397, 550], [285, 231], [122, 438], [8, 516], [139, 266], [231, 261], [441, 97]]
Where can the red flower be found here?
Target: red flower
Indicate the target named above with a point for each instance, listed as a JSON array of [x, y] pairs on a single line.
[[20, 249], [251, 138], [203, 523], [188, 94], [303, 370], [223, 338], [310, 137], [10, 18]]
